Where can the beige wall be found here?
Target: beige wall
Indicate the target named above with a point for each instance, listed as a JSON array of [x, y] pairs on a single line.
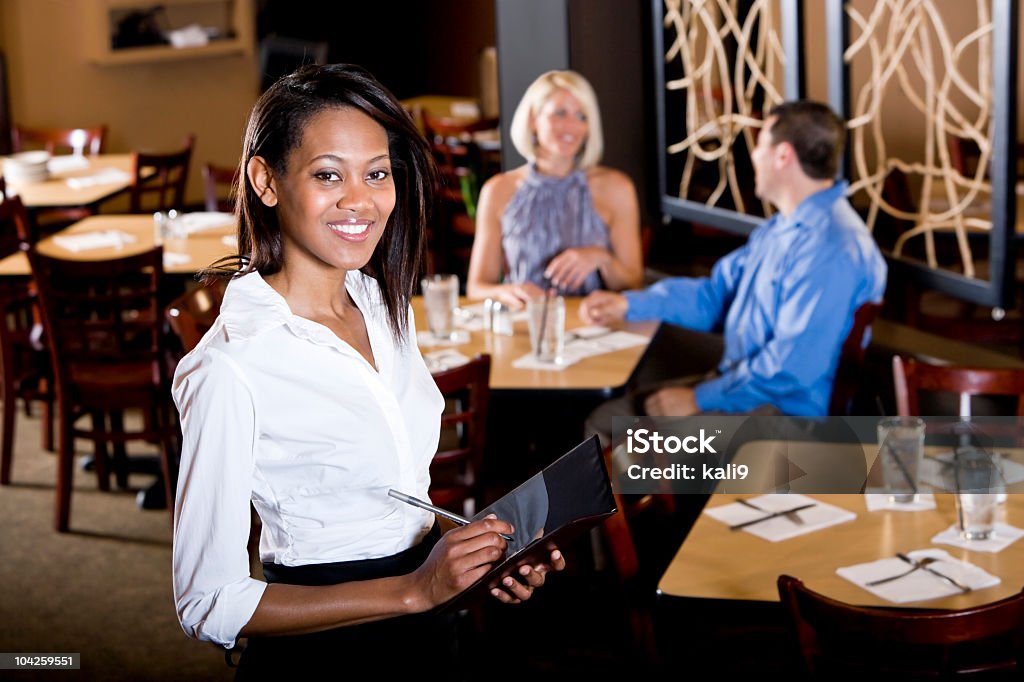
[[145, 106]]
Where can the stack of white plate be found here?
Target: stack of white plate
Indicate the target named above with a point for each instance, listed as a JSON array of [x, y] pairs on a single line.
[[26, 167]]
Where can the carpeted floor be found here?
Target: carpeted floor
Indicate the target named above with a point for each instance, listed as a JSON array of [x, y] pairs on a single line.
[[103, 590]]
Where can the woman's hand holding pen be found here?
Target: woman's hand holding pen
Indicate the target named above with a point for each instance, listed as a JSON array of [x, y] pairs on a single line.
[[460, 558], [570, 269]]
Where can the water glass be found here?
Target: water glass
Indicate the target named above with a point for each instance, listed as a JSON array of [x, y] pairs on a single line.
[[441, 298], [901, 447], [546, 320], [976, 515]]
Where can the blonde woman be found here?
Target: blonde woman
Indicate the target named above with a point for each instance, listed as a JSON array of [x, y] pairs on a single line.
[[560, 220]]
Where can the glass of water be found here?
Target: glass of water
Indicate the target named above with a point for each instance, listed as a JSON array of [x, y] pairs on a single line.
[[441, 298], [901, 447]]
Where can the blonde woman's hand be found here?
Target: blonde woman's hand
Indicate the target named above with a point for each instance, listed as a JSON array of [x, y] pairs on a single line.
[[515, 296], [570, 269]]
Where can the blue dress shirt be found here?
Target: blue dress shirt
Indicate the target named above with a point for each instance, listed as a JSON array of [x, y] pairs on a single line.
[[785, 302]]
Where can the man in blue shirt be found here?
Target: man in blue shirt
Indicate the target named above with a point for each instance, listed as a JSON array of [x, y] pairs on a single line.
[[785, 301]]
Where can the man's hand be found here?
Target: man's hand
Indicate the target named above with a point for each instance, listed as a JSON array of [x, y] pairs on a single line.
[[603, 307], [672, 402]]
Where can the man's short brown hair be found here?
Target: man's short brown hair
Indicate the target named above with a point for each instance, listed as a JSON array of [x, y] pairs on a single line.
[[816, 133]]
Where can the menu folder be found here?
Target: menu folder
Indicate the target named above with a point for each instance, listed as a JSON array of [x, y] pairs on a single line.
[[551, 509]]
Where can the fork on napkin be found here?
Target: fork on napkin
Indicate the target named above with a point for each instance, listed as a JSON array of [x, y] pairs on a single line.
[[894, 582], [773, 519]]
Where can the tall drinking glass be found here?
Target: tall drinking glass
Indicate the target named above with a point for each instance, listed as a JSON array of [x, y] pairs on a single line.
[[441, 298]]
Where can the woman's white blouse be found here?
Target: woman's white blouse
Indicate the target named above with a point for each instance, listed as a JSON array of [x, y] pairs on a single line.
[[278, 410]]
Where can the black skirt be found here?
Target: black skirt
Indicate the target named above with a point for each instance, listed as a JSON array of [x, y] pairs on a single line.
[[405, 644]]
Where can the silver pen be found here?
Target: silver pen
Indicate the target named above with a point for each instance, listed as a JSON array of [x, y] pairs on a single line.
[[443, 513]]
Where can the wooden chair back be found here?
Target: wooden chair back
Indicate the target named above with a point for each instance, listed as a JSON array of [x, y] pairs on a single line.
[[839, 641], [215, 179], [851, 360], [105, 328], [59, 140], [456, 472], [913, 377], [166, 185], [193, 313]]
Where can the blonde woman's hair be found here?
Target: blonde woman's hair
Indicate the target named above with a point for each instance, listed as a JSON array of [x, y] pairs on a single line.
[[522, 133]]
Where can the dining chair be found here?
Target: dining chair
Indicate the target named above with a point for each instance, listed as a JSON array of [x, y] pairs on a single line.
[[74, 140], [915, 380], [193, 313], [456, 472], [215, 178], [851, 360], [105, 327], [24, 362], [839, 641], [167, 184], [462, 169]]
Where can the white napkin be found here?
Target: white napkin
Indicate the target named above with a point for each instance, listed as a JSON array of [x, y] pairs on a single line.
[[883, 501], [424, 339], [821, 515], [172, 258], [205, 220], [103, 177], [441, 360], [585, 342], [1003, 535], [531, 361], [229, 240], [919, 585], [192, 35], [86, 241], [938, 471], [63, 164]]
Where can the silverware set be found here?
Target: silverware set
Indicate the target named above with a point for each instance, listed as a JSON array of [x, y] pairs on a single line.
[[923, 564], [790, 514]]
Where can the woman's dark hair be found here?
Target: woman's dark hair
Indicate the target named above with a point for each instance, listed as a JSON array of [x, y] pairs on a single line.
[[275, 128], [816, 133]]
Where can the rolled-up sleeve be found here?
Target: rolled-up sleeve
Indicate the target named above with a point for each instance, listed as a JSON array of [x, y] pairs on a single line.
[[213, 591]]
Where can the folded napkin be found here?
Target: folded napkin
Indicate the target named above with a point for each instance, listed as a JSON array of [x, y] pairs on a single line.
[[172, 258], [205, 220], [821, 515], [105, 239], [938, 471], [441, 360], [229, 240], [424, 339], [882, 501], [918, 585], [63, 164], [585, 342], [1003, 535], [103, 177], [531, 361]]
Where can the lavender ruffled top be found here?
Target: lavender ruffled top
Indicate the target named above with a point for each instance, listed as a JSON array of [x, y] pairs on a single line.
[[546, 216]]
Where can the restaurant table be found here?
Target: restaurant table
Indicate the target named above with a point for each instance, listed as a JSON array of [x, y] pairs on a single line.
[[600, 375], [202, 248], [56, 192], [717, 563]]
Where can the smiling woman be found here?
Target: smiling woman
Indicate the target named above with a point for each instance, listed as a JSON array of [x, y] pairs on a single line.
[[308, 399], [561, 220]]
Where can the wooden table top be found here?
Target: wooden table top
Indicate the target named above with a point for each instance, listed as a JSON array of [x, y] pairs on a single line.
[[602, 373], [202, 248], [56, 192], [717, 563]]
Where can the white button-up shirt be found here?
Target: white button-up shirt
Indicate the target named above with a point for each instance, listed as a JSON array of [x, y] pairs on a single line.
[[277, 409]]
